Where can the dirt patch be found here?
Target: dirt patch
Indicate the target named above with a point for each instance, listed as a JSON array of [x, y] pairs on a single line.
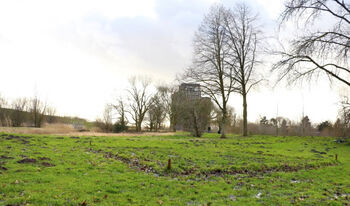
[[4, 157], [130, 162], [10, 137], [262, 170], [47, 164], [24, 141], [44, 158], [315, 151], [3, 168], [135, 163], [19, 138], [27, 160]]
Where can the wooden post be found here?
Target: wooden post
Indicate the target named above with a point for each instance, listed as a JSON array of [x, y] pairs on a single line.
[[336, 157], [169, 164]]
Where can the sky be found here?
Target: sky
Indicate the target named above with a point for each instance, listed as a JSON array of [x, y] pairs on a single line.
[[78, 55]]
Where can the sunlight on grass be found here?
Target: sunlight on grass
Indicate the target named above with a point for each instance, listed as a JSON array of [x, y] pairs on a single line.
[[64, 170]]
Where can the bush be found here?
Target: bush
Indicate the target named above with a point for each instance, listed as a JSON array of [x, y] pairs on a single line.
[[118, 127]]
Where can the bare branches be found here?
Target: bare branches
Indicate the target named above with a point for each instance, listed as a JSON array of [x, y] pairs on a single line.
[[313, 8], [225, 55], [319, 52], [120, 107], [18, 116], [37, 108], [139, 100], [210, 63], [243, 37], [299, 67]]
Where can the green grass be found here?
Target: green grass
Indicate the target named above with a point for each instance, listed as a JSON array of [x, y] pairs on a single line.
[[257, 170]]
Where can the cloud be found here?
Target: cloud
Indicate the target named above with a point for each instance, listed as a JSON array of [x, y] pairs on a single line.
[[80, 53]]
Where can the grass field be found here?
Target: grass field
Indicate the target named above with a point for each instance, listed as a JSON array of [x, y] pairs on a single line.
[[257, 170]]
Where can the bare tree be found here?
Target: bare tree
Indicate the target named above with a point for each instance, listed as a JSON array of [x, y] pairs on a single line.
[[344, 116], [156, 112], [210, 63], [37, 109], [107, 118], [3, 115], [323, 51], [193, 114], [139, 100], [166, 94], [18, 115], [3, 102], [122, 121], [305, 126], [244, 38], [50, 115], [216, 118]]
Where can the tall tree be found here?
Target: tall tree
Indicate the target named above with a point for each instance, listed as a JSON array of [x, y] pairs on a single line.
[[120, 107], [244, 37], [37, 109], [166, 94], [156, 112], [3, 104], [108, 118], [210, 61], [18, 115], [139, 100], [194, 114], [51, 115], [319, 51]]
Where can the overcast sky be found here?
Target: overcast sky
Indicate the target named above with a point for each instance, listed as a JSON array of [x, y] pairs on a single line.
[[78, 54]]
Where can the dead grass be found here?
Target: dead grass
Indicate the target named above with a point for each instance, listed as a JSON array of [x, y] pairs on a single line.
[[64, 129], [47, 129]]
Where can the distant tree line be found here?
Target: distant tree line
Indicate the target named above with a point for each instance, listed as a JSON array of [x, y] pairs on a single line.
[[151, 108], [281, 126], [31, 112]]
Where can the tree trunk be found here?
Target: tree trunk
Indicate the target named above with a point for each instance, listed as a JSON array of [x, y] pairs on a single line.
[[245, 121], [174, 128], [195, 125], [138, 126], [223, 123], [173, 123]]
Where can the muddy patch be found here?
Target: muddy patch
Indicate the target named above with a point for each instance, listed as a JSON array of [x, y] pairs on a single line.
[[25, 141], [19, 138], [44, 158], [3, 168], [10, 137], [132, 163], [138, 164], [47, 164], [26, 160], [318, 152], [4, 157]]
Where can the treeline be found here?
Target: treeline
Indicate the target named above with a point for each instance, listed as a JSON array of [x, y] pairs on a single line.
[[156, 108], [33, 112], [166, 108], [281, 126]]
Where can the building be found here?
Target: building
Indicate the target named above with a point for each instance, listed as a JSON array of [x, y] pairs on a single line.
[[186, 99], [192, 91]]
